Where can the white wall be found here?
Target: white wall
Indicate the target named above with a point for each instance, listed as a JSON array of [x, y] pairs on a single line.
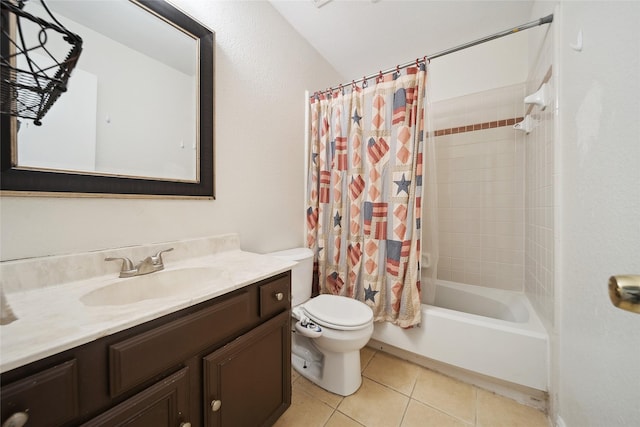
[[495, 64], [262, 70], [598, 212]]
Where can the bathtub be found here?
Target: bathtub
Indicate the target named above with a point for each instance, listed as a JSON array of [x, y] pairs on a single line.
[[487, 331]]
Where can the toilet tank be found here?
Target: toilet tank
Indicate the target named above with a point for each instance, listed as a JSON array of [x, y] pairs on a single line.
[[301, 273]]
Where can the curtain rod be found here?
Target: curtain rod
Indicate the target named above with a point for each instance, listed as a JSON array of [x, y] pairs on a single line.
[[544, 20]]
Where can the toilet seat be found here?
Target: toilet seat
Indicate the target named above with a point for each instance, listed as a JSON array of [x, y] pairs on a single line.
[[338, 312]]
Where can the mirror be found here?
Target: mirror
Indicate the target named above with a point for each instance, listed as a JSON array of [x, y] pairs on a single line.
[[137, 118]]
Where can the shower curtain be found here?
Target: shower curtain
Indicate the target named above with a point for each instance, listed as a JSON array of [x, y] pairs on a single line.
[[365, 191]]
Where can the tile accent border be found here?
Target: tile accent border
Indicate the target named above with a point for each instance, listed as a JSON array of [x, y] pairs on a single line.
[[478, 126]]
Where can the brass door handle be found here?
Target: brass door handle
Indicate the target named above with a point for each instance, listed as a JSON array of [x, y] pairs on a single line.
[[624, 292]]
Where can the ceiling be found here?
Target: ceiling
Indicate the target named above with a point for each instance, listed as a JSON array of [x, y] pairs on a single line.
[[360, 37]]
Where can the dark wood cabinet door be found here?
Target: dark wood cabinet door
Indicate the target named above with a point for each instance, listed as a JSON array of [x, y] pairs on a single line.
[[247, 383], [163, 404], [49, 397], [139, 358]]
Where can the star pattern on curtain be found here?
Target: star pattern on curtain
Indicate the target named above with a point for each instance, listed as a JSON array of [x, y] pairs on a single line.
[[370, 294], [403, 185], [337, 219]]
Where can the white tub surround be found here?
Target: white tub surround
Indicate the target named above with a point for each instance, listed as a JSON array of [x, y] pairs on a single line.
[[513, 350], [45, 293]]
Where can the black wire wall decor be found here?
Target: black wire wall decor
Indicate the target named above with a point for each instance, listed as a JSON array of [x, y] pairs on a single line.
[[35, 68]]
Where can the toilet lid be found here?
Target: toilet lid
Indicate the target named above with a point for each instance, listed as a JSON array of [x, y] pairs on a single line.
[[338, 312]]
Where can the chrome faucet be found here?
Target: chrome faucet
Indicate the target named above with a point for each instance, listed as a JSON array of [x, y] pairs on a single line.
[[148, 265]]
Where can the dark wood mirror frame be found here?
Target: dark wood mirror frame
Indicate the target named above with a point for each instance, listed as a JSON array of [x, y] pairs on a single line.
[[16, 181]]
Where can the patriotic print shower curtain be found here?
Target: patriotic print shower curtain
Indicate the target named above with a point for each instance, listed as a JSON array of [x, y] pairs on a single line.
[[365, 192]]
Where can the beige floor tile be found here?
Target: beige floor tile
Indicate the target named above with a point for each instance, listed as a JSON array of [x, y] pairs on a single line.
[[420, 415], [396, 373], [446, 394], [319, 393], [437, 401], [498, 411], [294, 375], [305, 410], [338, 419], [366, 354], [375, 405]]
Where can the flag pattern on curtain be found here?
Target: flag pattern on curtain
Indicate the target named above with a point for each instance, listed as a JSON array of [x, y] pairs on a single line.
[[365, 190]]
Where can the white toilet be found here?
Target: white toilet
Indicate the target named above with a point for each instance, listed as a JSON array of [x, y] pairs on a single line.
[[329, 330]]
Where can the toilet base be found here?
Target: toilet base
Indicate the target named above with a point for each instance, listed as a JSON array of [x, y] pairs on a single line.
[[338, 373]]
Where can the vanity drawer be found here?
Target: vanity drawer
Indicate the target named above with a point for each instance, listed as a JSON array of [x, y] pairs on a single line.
[[50, 397], [275, 296], [138, 359]]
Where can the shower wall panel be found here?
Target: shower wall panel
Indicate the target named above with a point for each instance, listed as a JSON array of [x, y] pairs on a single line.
[[539, 190], [480, 174]]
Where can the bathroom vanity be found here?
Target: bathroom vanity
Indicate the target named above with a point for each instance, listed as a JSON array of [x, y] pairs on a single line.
[[218, 361]]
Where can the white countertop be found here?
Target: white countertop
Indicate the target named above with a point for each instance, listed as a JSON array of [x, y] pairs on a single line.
[[53, 319]]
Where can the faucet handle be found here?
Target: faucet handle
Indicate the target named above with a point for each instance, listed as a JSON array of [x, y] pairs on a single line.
[[157, 258], [127, 265]]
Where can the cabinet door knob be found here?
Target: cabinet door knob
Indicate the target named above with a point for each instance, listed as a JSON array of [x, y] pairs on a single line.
[[215, 405], [279, 296], [16, 420], [185, 424]]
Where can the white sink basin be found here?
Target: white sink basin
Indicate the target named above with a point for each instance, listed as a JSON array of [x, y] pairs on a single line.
[[179, 283]]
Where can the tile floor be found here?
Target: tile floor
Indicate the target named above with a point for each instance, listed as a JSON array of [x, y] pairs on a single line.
[[397, 393]]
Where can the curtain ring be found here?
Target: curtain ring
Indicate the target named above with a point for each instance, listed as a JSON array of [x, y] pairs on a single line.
[[398, 70], [353, 85], [364, 82], [380, 78], [417, 62]]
